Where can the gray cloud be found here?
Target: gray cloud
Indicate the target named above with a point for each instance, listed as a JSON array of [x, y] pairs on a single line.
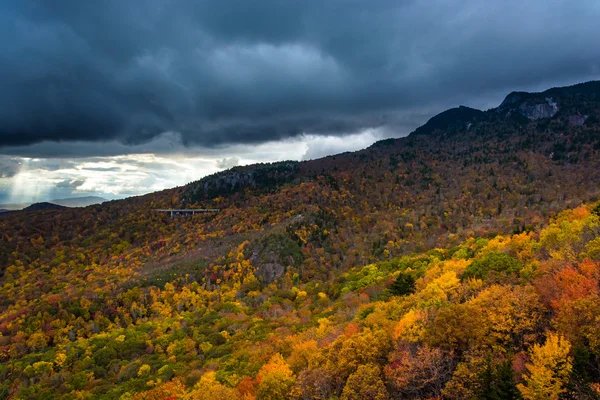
[[70, 183], [231, 72], [228, 162], [9, 167]]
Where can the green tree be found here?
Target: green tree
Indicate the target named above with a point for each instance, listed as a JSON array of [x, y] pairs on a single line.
[[498, 382], [498, 262], [403, 285]]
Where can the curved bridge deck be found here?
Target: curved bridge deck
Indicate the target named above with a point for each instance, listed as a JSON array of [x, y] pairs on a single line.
[[186, 211]]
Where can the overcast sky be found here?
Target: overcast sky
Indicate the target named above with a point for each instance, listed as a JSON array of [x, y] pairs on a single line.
[[117, 98]]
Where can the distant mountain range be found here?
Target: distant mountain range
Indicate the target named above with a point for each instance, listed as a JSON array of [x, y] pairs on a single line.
[[68, 202], [79, 201]]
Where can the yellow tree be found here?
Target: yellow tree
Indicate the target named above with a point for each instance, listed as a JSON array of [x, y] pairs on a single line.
[[548, 371], [275, 379], [174, 389], [304, 355], [510, 316], [208, 388], [347, 353], [365, 384]]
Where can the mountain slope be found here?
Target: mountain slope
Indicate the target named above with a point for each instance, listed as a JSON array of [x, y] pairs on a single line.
[[489, 171], [502, 173], [455, 117], [43, 206], [301, 259]]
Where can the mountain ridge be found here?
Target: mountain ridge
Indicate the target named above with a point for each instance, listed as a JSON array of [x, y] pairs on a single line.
[[512, 112], [43, 206], [588, 91]]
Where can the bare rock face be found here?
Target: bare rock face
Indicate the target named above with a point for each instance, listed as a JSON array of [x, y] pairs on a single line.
[[268, 263], [528, 105], [273, 254], [269, 272], [540, 110], [577, 120], [229, 181]]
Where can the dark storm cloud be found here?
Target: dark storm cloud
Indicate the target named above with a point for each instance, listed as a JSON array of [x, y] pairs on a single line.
[[221, 72], [9, 167]]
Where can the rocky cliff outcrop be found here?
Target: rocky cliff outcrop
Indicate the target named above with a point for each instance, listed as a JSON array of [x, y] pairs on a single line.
[[262, 176], [577, 120], [547, 109]]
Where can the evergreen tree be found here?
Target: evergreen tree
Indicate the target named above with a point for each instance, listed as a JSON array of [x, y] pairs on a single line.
[[403, 285]]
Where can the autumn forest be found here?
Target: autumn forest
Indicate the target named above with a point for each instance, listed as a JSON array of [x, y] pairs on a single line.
[[459, 262]]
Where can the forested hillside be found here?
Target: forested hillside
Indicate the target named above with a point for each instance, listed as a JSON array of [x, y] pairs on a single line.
[[460, 262]]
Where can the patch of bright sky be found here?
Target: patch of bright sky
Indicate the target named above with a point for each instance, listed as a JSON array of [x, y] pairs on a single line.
[[42, 179]]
